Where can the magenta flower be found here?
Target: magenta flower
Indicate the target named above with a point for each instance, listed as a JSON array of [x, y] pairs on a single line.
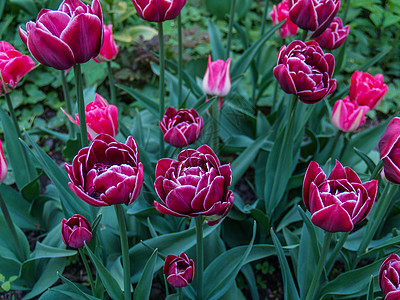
[[181, 127], [107, 172], [71, 35], [217, 79], [194, 184], [179, 270], [339, 202], [76, 231], [110, 49], [3, 165], [280, 13], [389, 147], [389, 277], [158, 10], [347, 116], [334, 36]]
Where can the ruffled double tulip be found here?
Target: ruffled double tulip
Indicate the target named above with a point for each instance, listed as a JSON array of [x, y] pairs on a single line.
[[304, 70], [280, 13], [313, 15], [334, 36], [71, 35], [179, 270], [158, 10], [389, 147], [3, 165], [110, 49], [194, 184], [347, 116], [181, 127], [366, 89], [389, 277], [340, 201], [101, 117], [107, 172], [217, 79], [13, 66], [76, 231]]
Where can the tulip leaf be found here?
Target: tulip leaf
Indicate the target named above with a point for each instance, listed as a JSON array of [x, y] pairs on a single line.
[[370, 295], [76, 289], [217, 48], [142, 291], [28, 5], [142, 98], [248, 273], [368, 161]]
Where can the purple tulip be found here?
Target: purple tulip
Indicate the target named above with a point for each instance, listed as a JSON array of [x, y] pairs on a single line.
[[304, 70], [158, 10], [107, 172], [339, 202], [389, 147], [389, 277], [76, 231], [71, 35], [179, 270], [194, 184], [334, 36]]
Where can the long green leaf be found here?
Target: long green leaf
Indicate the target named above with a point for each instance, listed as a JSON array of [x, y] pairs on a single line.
[[76, 289], [217, 47], [142, 98], [142, 291]]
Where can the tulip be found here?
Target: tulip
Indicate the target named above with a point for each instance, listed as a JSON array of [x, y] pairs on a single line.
[[13, 66], [179, 270], [217, 79], [280, 13], [366, 89], [107, 172], [339, 202], [304, 70], [101, 117], [71, 35], [389, 277], [194, 184], [76, 231], [313, 15], [110, 49], [158, 10], [347, 116], [334, 36], [181, 127], [389, 148], [3, 165]]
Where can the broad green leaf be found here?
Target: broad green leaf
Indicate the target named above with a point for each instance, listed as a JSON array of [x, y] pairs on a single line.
[[76, 289], [142, 98], [142, 291], [217, 48], [46, 251], [368, 161]]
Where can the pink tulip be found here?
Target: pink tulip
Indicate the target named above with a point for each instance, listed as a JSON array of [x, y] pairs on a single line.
[[334, 36], [71, 35], [158, 10], [110, 49], [179, 270], [280, 13], [76, 231], [389, 148], [13, 66], [3, 165], [347, 116], [366, 89], [389, 277], [217, 79], [101, 117]]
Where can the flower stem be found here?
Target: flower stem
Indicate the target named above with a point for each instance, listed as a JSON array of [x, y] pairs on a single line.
[[119, 211], [320, 266], [68, 103], [88, 270], [338, 246], [346, 11], [215, 114], [81, 105], [162, 80], [199, 256], [231, 18], [179, 293], [264, 18], [112, 84], [304, 35], [180, 64], [12, 114], [377, 170]]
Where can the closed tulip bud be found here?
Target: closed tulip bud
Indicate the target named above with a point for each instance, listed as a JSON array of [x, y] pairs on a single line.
[[347, 116], [76, 231], [334, 36], [110, 49], [304, 70], [280, 13], [366, 89], [101, 117], [158, 10], [13, 66], [389, 277], [339, 202], [389, 148], [217, 79], [179, 270], [3, 165], [313, 15], [71, 35], [181, 127]]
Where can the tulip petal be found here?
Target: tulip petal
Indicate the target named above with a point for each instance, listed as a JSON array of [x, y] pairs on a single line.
[[180, 199], [333, 219]]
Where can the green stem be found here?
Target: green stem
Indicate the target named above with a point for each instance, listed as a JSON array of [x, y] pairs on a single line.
[[112, 84], [11, 227], [162, 81], [331, 260], [231, 19], [320, 266], [180, 64], [304, 35], [264, 18], [68, 103], [215, 114], [179, 293], [199, 256], [377, 170], [119, 211], [88, 270], [346, 11], [12, 114], [334, 145], [81, 105]]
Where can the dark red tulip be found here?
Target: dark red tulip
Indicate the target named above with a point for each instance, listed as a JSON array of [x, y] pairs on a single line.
[[334, 36], [389, 277], [158, 10], [389, 147], [76, 231], [179, 270]]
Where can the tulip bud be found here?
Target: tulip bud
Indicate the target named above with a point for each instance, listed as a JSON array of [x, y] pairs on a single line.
[[3, 165], [389, 277], [76, 231], [179, 270], [158, 11], [334, 36], [13, 66], [217, 79], [347, 116], [280, 13], [366, 89], [110, 49], [389, 148], [101, 117]]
